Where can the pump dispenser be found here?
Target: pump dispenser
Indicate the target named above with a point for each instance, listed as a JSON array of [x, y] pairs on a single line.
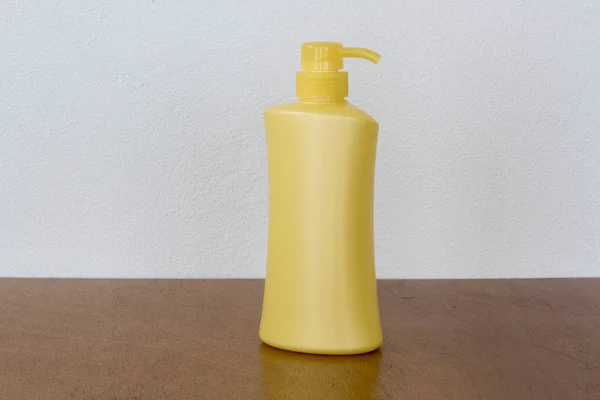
[[320, 288], [322, 79]]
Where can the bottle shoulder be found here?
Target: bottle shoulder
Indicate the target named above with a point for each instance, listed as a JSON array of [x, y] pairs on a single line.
[[339, 109]]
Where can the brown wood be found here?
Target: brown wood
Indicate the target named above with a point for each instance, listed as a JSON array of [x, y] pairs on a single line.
[[198, 339]]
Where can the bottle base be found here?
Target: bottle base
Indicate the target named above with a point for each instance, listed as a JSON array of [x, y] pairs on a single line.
[[322, 350]]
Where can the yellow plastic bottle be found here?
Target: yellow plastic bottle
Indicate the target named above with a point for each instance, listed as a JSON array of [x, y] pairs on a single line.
[[320, 291]]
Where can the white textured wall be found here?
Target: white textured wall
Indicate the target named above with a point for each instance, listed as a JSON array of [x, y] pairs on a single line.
[[131, 135]]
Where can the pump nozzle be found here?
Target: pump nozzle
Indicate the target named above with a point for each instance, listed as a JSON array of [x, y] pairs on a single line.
[[329, 56], [321, 62], [359, 52]]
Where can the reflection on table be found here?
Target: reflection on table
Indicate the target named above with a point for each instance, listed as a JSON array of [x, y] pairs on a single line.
[[289, 375]]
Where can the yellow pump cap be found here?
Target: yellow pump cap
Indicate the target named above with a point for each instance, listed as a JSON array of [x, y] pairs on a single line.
[[321, 79]]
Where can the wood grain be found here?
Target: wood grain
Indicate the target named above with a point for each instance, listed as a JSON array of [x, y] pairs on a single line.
[[197, 339]]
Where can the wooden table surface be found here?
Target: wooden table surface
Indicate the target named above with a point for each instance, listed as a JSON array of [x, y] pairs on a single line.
[[198, 339]]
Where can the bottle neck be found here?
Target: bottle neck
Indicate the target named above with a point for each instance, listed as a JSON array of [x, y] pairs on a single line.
[[322, 86]]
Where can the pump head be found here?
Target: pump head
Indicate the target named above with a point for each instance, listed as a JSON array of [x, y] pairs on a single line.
[[322, 79]]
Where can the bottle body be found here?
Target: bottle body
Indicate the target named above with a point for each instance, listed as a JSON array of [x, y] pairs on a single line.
[[320, 290]]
